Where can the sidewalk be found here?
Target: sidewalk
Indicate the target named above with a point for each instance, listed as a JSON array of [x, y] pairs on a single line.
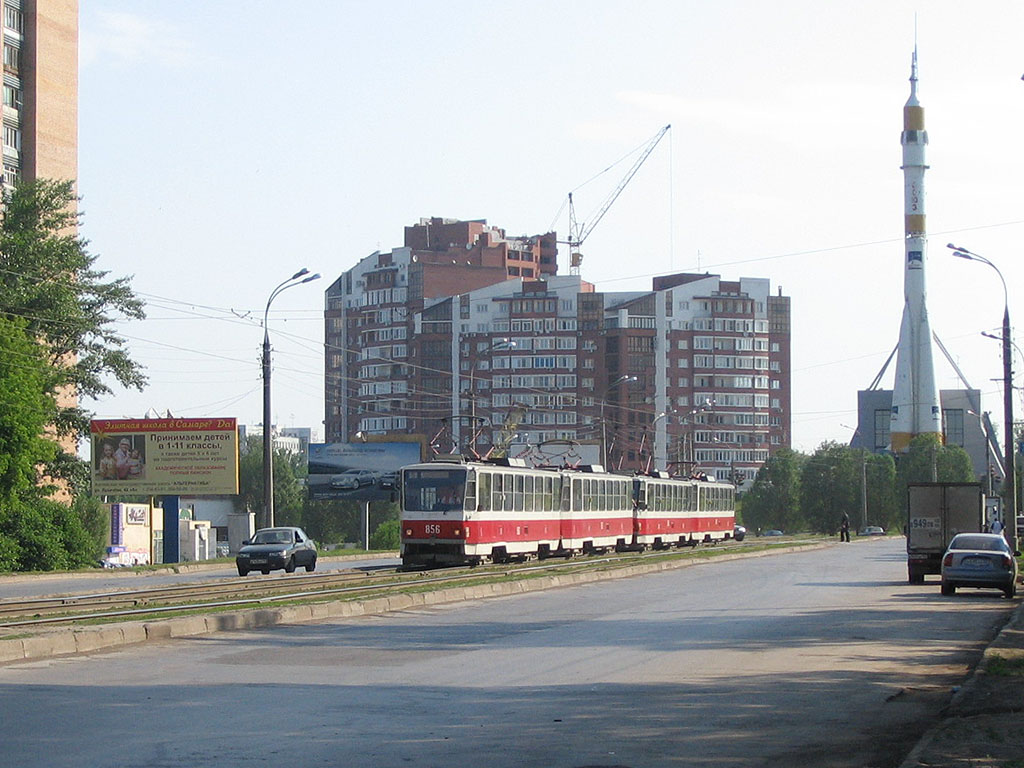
[[983, 725]]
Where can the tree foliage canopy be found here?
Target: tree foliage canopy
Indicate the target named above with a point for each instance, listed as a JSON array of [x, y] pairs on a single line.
[[774, 499], [793, 491], [289, 493], [57, 337]]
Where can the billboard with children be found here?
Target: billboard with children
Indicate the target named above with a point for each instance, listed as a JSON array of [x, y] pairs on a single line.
[[164, 457]]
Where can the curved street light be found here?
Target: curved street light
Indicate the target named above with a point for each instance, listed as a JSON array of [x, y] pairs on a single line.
[[1009, 471], [268, 439], [496, 345], [604, 426], [690, 419]]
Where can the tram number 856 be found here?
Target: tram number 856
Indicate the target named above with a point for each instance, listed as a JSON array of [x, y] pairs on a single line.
[[432, 529]]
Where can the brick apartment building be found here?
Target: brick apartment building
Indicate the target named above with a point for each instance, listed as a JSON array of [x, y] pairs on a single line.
[[40, 102], [472, 336], [39, 110]]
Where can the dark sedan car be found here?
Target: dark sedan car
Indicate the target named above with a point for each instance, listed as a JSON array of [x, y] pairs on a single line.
[[271, 549], [979, 560]]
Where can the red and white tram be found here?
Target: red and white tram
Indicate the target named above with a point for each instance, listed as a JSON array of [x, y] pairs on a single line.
[[456, 511]]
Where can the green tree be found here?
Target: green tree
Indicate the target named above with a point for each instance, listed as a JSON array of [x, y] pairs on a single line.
[[289, 492], [27, 405], [387, 535], [928, 460], [35, 532], [883, 507], [49, 282], [333, 522], [774, 498], [830, 486]]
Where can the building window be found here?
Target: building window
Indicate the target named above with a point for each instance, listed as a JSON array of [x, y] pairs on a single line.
[[953, 426], [882, 422], [12, 138], [12, 97], [12, 57], [13, 19]]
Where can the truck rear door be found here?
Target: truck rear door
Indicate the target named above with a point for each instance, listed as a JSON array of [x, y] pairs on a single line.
[[963, 510], [924, 524]]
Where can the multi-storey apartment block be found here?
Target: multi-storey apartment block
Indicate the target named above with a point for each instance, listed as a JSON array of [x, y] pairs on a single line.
[[376, 381], [39, 110], [691, 374], [40, 101]]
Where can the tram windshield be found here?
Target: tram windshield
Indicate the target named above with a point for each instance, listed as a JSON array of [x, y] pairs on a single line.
[[433, 489]]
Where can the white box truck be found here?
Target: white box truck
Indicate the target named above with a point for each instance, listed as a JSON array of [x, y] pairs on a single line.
[[936, 512]]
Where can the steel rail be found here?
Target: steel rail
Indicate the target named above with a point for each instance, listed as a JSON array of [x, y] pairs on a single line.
[[179, 592], [330, 585]]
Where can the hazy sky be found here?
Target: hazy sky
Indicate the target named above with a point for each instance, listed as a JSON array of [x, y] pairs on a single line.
[[224, 144]]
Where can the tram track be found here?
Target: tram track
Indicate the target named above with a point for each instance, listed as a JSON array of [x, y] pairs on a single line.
[[127, 605]]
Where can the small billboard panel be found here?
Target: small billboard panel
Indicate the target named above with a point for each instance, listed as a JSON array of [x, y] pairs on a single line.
[[164, 457], [358, 471]]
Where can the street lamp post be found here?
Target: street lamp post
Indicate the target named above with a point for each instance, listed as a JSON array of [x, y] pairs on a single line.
[[604, 427], [1009, 472], [497, 344], [983, 419], [654, 458], [268, 440], [690, 420]]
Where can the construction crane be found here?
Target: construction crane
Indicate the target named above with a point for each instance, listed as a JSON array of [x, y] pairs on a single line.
[[578, 231]]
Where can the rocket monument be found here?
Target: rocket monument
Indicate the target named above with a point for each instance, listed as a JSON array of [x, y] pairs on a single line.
[[915, 397]]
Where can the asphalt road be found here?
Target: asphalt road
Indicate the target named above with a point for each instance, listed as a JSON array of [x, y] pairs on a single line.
[[821, 658]]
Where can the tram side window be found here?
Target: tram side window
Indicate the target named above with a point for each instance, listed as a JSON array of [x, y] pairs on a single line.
[[507, 498], [498, 492], [519, 492], [528, 499], [484, 491]]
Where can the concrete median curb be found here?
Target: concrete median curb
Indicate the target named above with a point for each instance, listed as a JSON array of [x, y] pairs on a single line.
[[72, 640]]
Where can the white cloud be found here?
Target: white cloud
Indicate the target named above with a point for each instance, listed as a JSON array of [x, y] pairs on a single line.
[[128, 38]]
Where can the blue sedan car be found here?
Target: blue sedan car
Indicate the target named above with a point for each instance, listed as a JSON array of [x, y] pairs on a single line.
[[979, 560]]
